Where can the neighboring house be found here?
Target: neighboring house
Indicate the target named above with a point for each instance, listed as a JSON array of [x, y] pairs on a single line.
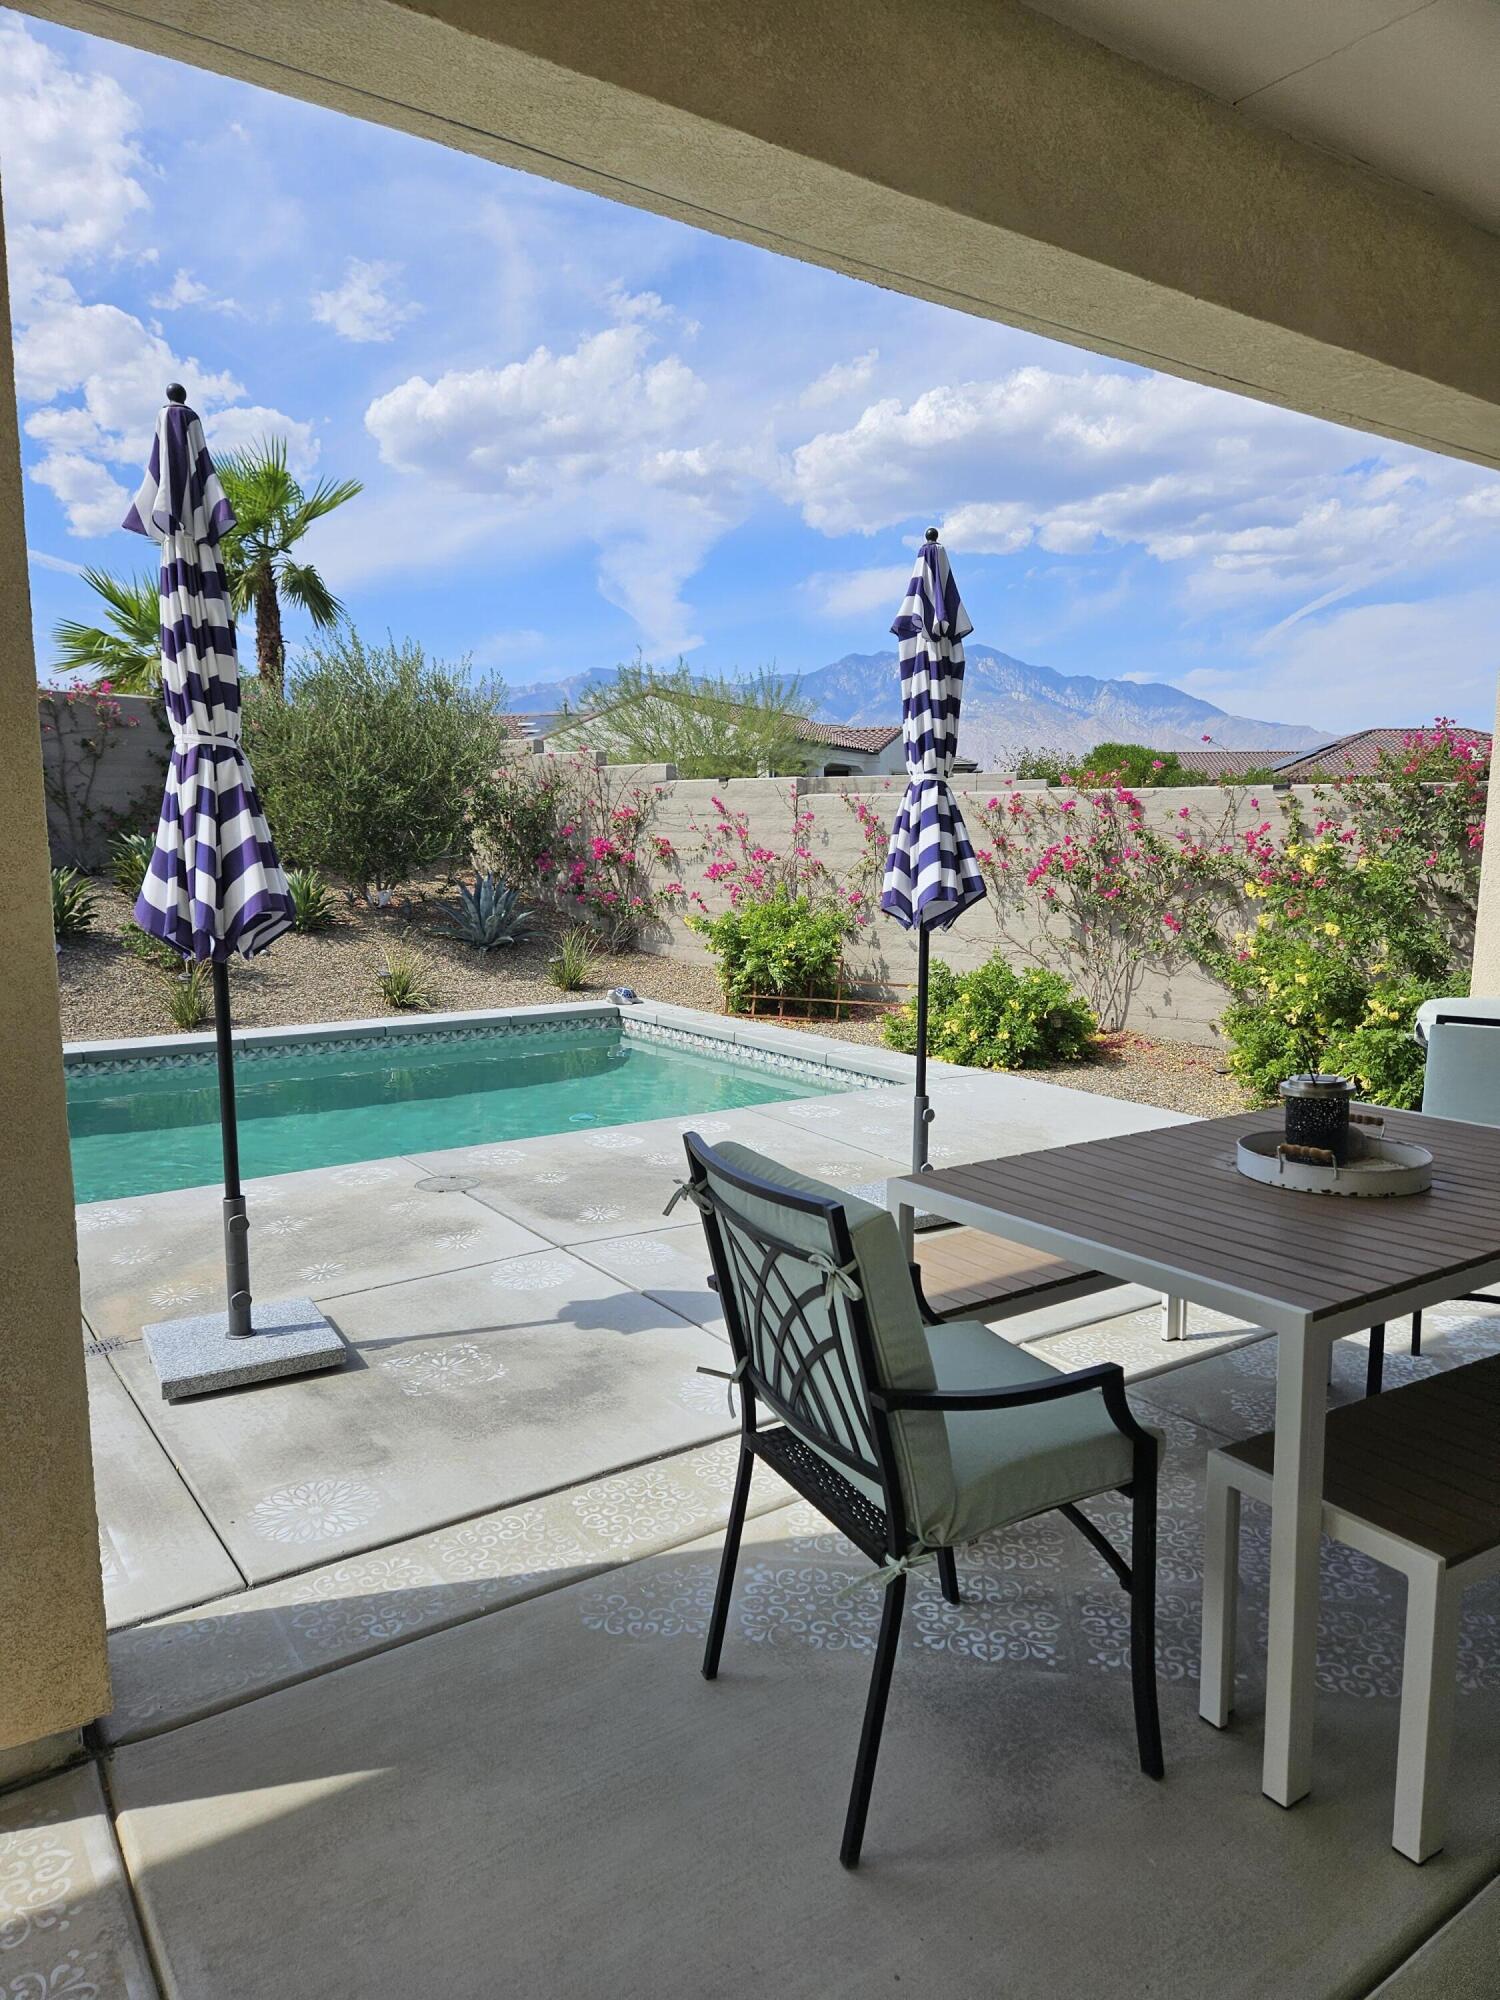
[[1358, 755], [841, 750]]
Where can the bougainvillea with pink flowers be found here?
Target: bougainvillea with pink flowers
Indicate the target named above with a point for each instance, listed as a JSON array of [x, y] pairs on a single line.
[[1082, 882]]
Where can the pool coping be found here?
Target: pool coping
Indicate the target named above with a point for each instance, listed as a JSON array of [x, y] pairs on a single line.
[[791, 1049]]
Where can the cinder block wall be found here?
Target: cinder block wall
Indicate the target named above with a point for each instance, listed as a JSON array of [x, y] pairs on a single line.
[[96, 777], [1183, 1004]]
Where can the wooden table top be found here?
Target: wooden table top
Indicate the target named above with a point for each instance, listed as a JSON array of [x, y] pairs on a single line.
[[1173, 1200]]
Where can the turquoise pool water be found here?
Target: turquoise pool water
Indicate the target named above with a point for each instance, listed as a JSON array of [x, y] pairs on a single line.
[[139, 1129]]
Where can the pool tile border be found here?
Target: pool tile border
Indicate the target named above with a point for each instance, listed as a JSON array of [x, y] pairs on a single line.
[[793, 1052]]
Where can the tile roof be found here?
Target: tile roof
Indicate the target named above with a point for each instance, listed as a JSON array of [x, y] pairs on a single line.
[[1358, 754], [1229, 763], [840, 736]]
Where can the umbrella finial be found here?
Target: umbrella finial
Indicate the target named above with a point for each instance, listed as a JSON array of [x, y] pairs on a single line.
[[932, 533], [176, 393]]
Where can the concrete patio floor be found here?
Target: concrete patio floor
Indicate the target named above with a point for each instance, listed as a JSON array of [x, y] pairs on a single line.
[[405, 1658]]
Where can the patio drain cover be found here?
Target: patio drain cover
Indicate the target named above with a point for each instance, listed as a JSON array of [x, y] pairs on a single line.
[[447, 1184]]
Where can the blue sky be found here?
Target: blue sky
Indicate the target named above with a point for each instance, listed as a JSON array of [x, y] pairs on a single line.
[[585, 431]]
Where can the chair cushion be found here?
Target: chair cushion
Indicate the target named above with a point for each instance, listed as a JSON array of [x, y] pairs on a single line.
[[1007, 1464], [998, 1466]]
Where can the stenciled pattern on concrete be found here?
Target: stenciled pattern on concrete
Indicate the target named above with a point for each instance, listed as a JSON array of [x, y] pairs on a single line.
[[1036, 1595], [67, 1926], [175, 1669]]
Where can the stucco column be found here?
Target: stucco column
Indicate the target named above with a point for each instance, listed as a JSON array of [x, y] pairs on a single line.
[[1486, 976], [53, 1669]]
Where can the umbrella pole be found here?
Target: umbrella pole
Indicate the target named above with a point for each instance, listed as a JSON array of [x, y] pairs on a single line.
[[921, 1111], [236, 1225]]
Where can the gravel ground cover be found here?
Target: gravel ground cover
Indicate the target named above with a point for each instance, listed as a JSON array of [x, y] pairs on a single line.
[[107, 992], [332, 975]]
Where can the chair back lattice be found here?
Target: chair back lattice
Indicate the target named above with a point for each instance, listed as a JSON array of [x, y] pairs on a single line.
[[786, 1273]]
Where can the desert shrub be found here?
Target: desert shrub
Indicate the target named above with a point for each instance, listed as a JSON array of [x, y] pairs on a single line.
[[579, 832], [997, 1018], [1133, 764], [312, 901], [571, 966], [73, 903], [363, 767], [782, 949], [405, 979], [512, 814]]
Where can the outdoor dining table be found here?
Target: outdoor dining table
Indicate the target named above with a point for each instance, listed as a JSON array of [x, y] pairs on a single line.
[[1168, 1209]]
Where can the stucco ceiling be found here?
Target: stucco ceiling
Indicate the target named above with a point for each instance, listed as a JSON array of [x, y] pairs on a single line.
[[1410, 87]]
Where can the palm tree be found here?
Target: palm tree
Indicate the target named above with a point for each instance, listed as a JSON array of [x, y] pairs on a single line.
[[272, 514], [126, 651]]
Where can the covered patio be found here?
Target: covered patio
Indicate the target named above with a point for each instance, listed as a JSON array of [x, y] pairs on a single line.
[[386, 1682]]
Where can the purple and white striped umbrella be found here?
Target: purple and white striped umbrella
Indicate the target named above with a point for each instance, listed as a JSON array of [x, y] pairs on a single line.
[[215, 886], [931, 875]]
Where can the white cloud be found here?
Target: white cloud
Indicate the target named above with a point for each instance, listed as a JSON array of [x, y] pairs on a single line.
[[988, 528], [844, 378], [41, 560], [72, 165], [552, 415], [1247, 507], [365, 306], [240, 425], [94, 502], [75, 181], [853, 592], [186, 290]]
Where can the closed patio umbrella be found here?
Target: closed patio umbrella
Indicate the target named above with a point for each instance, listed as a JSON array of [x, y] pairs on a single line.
[[214, 886], [931, 876]]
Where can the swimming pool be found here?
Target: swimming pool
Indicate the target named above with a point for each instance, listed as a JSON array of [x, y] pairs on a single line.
[[140, 1126]]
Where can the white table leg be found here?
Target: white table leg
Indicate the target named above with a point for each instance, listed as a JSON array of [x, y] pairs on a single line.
[[1173, 1317], [1296, 1515], [1428, 1673], [1221, 1595]]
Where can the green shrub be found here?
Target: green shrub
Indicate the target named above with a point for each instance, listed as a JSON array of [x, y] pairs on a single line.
[[785, 948], [997, 1018], [312, 901], [189, 995], [572, 966], [405, 980], [364, 767], [1363, 1032], [129, 858], [73, 900]]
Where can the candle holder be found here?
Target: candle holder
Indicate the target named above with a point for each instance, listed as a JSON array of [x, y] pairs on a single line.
[[1316, 1108]]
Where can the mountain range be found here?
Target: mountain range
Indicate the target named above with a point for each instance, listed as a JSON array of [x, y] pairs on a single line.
[[1009, 705]]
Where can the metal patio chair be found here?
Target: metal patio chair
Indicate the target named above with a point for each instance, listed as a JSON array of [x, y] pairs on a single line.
[[912, 1438]]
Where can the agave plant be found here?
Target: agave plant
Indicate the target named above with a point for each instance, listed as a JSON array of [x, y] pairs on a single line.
[[72, 903], [487, 915], [129, 858], [312, 900]]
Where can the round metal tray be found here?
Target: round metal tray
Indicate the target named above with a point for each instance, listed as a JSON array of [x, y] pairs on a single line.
[[1384, 1167]]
